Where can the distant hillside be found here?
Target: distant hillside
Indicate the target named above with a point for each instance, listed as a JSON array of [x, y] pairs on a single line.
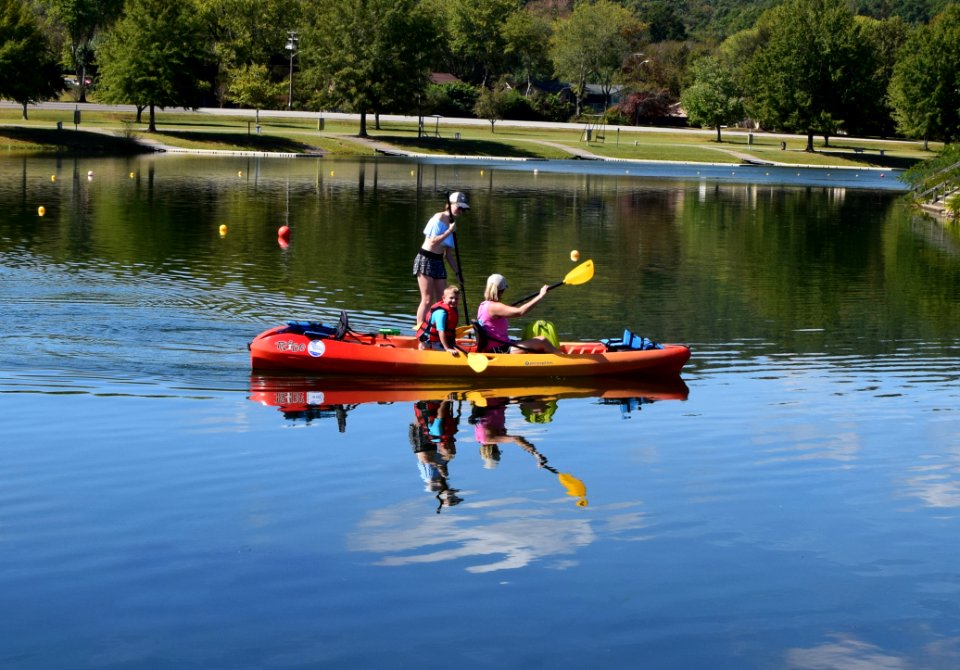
[[714, 20]]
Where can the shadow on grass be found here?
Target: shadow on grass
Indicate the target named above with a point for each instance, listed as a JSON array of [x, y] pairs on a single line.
[[458, 147], [51, 140], [240, 141], [872, 159]]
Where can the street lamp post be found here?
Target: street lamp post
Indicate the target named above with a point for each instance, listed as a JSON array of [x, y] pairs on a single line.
[[292, 40]]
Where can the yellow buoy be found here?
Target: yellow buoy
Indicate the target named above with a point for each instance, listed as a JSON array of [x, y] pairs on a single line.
[[53, 177], [132, 175], [223, 229], [41, 210], [331, 173], [574, 255], [240, 173]]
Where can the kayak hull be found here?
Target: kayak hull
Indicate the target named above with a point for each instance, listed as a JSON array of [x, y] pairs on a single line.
[[385, 355]]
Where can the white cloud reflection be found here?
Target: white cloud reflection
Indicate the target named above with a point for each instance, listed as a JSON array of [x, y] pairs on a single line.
[[844, 653], [500, 535]]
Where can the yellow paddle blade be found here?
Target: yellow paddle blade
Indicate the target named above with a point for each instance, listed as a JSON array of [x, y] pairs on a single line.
[[476, 398], [580, 274], [574, 486], [477, 362]]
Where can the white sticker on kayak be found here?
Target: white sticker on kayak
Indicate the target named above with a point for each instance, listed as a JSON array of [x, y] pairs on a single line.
[[315, 397], [316, 348]]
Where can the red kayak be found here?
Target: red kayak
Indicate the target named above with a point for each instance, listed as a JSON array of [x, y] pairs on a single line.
[[314, 348]]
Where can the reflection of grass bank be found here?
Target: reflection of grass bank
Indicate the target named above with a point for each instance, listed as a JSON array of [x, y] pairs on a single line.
[[338, 137]]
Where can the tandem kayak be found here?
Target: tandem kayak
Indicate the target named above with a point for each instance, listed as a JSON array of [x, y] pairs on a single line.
[[314, 348]]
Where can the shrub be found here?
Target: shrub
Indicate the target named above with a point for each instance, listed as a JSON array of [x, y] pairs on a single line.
[[454, 99]]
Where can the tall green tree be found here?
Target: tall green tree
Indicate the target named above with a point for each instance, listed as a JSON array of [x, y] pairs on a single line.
[[29, 71], [526, 36], [591, 45], [476, 37], [156, 55], [799, 79], [367, 55], [245, 33], [81, 21], [250, 86], [870, 112], [714, 99], [925, 87]]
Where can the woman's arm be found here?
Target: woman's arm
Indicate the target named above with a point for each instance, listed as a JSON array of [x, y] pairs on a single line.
[[509, 311], [451, 256]]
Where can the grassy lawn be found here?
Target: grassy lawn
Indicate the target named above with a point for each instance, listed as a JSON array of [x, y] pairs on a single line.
[[113, 132]]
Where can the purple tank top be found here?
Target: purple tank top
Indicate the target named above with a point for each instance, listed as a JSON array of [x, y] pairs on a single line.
[[496, 326]]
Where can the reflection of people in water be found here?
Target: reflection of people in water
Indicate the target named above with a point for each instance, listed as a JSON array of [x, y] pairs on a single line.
[[433, 438], [490, 430]]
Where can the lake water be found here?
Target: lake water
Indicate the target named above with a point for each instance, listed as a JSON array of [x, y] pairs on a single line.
[[792, 502]]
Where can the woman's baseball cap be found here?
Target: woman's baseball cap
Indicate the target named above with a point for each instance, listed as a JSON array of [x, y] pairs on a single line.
[[459, 199], [498, 280]]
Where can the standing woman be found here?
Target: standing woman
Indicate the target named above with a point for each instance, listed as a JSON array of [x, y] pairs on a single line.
[[438, 244]]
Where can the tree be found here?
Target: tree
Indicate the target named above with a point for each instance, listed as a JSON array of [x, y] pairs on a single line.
[[367, 54], [81, 21], [870, 112], [155, 56], [250, 86], [714, 99], [593, 43], [800, 78], [925, 87], [526, 36], [247, 33], [476, 37], [492, 103], [29, 72], [664, 21]]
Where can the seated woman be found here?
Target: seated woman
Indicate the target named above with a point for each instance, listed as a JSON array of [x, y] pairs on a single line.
[[493, 317]]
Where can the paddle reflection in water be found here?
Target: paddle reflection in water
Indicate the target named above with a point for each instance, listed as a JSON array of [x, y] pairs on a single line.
[[489, 419]]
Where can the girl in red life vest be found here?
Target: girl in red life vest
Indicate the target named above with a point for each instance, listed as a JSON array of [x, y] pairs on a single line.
[[439, 331]]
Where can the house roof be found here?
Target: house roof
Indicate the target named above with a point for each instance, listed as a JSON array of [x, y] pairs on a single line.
[[443, 78]]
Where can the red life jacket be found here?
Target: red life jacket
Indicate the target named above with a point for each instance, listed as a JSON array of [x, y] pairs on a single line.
[[427, 412], [428, 331]]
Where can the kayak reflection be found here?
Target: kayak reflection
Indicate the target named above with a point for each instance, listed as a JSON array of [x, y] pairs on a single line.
[[307, 399]]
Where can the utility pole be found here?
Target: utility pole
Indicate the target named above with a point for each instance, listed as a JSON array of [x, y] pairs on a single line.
[[292, 40]]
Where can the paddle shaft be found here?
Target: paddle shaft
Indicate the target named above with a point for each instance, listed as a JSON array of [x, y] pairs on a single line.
[[463, 285], [578, 275], [534, 295]]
